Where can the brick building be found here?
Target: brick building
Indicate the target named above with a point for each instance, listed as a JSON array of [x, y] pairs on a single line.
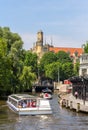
[[40, 48]]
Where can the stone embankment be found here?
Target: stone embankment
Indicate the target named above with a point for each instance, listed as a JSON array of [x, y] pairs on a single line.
[[66, 99], [69, 101]]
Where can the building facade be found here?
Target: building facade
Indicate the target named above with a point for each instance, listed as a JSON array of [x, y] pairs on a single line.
[[83, 70], [40, 48]]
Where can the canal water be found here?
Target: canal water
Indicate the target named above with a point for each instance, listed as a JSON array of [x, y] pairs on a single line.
[[61, 119]]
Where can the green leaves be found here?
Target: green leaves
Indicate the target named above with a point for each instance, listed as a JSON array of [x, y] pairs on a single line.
[[51, 70], [17, 66], [3, 47], [63, 57], [51, 63], [47, 58], [10, 52], [27, 78], [86, 47]]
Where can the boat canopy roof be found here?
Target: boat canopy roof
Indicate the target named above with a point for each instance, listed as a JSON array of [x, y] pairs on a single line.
[[22, 96], [46, 90]]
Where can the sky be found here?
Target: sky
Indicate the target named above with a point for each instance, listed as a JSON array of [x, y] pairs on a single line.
[[63, 22]]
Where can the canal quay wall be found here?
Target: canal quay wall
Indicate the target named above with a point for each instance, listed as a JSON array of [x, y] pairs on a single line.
[[69, 101], [66, 99]]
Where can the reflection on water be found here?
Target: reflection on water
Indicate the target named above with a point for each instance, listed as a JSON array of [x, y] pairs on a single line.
[[61, 119]]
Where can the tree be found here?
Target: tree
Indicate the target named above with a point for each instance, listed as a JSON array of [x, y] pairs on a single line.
[[16, 63], [85, 46], [51, 70], [10, 59], [68, 70], [5, 72], [55, 69], [63, 57], [46, 59], [76, 69], [10, 37], [27, 78], [3, 47], [31, 60]]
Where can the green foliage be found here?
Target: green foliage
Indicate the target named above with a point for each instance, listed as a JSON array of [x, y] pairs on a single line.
[[3, 47], [18, 67], [27, 78], [31, 60], [63, 57], [1, 33], [46, 59], [10, 52], [68, 70], [86, 47], [5, 74], [51, 70], [55, 69], [76, 69], [51, 63]]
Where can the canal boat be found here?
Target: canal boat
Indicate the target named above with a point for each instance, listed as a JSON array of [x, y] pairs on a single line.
[[24, 104], [46, 93]]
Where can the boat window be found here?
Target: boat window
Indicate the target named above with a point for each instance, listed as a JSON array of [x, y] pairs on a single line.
[[13, 101], [17, 98], [31, 103], [22, 103]]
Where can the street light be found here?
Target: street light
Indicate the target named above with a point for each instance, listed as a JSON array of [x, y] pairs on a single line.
[[58, 76]]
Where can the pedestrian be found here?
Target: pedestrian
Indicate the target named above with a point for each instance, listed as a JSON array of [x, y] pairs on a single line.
[[76, 94]]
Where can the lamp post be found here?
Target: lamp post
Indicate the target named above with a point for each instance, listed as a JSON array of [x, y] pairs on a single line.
[[58, 76]]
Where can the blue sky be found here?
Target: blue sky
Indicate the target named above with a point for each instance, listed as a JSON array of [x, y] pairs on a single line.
[[63, 21]]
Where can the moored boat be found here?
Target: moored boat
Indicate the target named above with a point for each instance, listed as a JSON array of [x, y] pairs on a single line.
[[24, 104], [46, 94]]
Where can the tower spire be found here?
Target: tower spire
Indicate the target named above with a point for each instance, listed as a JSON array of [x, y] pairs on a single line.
[[45, 40], [51, 41]]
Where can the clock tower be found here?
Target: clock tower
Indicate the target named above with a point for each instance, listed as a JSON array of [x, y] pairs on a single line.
[[39, 38], [39, 43]]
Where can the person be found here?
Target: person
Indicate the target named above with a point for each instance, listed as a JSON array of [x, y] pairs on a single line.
[[20, 105], [76, 94], [24, 104]]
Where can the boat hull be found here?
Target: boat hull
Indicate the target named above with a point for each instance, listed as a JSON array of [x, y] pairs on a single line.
[[35, 112], [30, 111]]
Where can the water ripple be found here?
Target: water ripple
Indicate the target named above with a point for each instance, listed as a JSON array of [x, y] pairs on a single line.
[[61, 119]]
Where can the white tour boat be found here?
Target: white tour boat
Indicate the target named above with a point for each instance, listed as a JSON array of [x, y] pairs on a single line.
[[24, 104]]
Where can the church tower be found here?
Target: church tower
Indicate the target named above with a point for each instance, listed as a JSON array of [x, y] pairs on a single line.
[[39, 38], [39, 47], [39, 43]]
